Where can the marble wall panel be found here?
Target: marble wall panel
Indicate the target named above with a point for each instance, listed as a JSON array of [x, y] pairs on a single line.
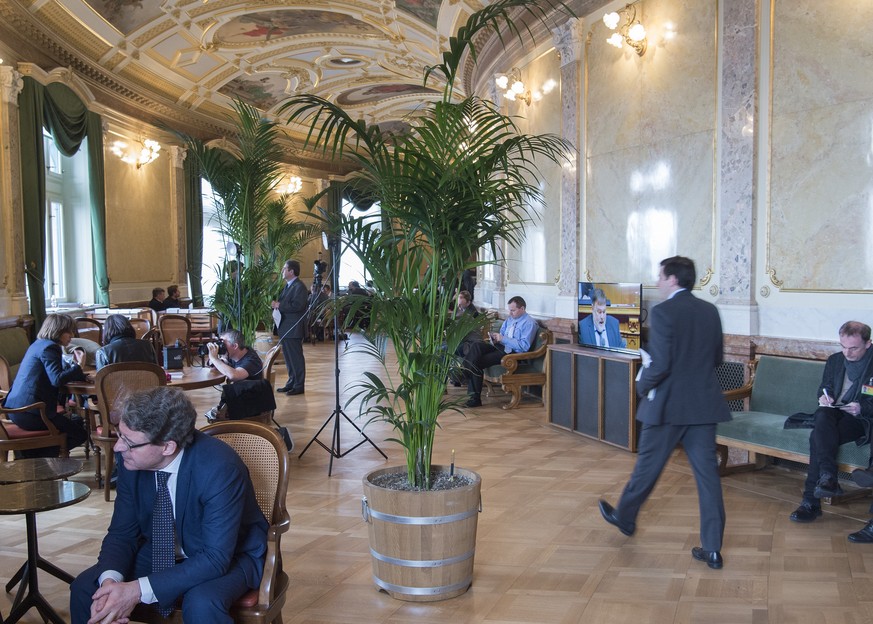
[[139, 221], [647, 204], [821, 53], [821, 174], [650, 124], [537, 259]]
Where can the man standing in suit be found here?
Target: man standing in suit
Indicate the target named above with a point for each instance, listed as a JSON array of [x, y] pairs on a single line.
[[681, 401], [599, 329], [185, 523], [292, 305]]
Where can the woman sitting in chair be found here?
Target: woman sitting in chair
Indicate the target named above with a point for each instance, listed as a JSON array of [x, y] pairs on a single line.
[[42, 373], [120, 343]]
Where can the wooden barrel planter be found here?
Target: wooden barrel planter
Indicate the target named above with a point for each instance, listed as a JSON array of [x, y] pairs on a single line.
[[422, 543]]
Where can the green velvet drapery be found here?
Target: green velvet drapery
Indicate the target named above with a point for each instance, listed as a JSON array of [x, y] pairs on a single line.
[[57, 108], [194, 228]]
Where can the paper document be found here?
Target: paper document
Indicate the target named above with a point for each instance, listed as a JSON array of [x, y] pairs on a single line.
[[277, 317], [647, 361]]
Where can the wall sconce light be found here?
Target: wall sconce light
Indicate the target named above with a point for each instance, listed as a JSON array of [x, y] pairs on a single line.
[[295, 184], [631, 32], [149, 151], [514, 86]]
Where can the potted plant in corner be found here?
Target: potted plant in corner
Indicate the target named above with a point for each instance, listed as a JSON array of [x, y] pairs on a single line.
[[459, 180], [251, 214]]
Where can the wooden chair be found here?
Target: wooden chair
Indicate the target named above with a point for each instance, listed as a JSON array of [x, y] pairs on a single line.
[[270, 360], [89, 328], [517, 370], [175, 327], [112, 384], [140, 326], [14, 438], [153, 337], [203, 329], [13, 345], [265, 455]]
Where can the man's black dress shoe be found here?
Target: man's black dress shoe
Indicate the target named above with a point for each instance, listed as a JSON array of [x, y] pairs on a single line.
[[285, 388], [864, 536], [864, 478], [608, 513], [712, 558], [806, 512], [827, 487], [473, 401], [295, 391]]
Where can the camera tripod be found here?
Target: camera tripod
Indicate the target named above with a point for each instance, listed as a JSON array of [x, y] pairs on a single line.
[[335, 448]]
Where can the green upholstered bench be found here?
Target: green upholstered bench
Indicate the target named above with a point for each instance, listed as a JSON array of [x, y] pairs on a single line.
[[517, 370], [778, 388]]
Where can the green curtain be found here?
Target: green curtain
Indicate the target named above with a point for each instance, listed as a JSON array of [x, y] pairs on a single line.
[[56, 107], [194, 228]]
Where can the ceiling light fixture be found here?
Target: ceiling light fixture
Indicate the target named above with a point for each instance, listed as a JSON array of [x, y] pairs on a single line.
[[149, 151], [514, 86], [631, 32]]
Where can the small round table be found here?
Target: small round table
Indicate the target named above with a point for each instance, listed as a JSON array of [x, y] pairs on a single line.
[[29, 498], [38, 469]]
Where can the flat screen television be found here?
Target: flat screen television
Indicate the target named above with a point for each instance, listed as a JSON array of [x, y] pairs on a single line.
[[623, 316]]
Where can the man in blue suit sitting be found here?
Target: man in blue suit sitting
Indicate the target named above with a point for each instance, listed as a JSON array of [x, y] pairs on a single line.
[[185, 525], [599, 329]]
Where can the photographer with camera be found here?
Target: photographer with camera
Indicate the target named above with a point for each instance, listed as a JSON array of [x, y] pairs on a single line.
[[232, 358]]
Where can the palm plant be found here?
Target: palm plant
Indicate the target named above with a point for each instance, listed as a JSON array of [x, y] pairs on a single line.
[[459, 181], [251, 213]]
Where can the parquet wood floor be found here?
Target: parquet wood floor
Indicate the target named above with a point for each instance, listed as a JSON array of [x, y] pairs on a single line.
[[544, 555]]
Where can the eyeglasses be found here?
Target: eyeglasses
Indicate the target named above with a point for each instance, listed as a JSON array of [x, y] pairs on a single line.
[[131, 445]]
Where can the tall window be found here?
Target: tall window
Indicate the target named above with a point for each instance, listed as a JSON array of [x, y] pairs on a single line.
[[213, 242], [69, 267], [351, 267]]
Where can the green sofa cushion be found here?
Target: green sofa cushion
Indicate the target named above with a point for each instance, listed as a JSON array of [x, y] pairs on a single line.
[[766, 430]]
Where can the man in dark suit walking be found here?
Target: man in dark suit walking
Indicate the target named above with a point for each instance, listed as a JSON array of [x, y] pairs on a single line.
[[185, 523], [292, 305], [681, 401]]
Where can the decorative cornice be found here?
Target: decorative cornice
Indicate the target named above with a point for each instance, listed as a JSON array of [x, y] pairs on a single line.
[[11, 85]]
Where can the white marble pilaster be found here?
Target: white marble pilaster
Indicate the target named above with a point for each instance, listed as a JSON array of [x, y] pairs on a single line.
[[569, 42], [177, 193], [737, 124], [12, 296]]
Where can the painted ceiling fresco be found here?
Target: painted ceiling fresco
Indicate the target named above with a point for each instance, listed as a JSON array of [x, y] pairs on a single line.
[[267, 26]]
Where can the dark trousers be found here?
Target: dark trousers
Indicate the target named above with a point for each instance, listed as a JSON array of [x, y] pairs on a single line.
[[656, 445], [831, 428], [207, 602], [292, 351], [73, 426], [480, 356]]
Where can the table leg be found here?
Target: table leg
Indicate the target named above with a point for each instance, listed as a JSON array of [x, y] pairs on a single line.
[[30, 583]]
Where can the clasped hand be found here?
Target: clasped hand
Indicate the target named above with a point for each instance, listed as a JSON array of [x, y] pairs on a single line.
[[113, 602]]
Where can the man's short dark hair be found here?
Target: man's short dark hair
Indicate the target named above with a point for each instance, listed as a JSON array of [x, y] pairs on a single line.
[[162, 414], [598, 295], [236, 337], [518, 301], [682, 268], [117, 325], [293, 265], [466, 295], [855, 328], [173, 291], [156, 292]]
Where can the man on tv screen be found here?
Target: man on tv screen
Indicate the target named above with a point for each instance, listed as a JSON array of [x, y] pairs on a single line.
[[598, 329]]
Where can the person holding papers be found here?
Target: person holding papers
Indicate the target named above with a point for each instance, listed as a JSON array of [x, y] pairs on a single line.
[[686, 405]]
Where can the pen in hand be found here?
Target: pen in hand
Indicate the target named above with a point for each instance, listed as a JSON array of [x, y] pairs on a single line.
[[827, 397]]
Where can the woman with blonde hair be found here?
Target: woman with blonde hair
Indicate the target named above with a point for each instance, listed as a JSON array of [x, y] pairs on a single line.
[[42, 373]]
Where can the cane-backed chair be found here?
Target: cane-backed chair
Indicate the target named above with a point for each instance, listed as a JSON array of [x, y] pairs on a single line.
[[265, 455], [269, 361], [113, 384], [176, 328], [140, 326], [14, 438], [89, 328]]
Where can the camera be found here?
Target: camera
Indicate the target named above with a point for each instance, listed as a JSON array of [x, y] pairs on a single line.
[[319, 267], [203, 349]]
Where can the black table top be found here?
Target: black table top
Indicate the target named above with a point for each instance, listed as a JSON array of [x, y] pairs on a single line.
[[38, 469], [33, 496]]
